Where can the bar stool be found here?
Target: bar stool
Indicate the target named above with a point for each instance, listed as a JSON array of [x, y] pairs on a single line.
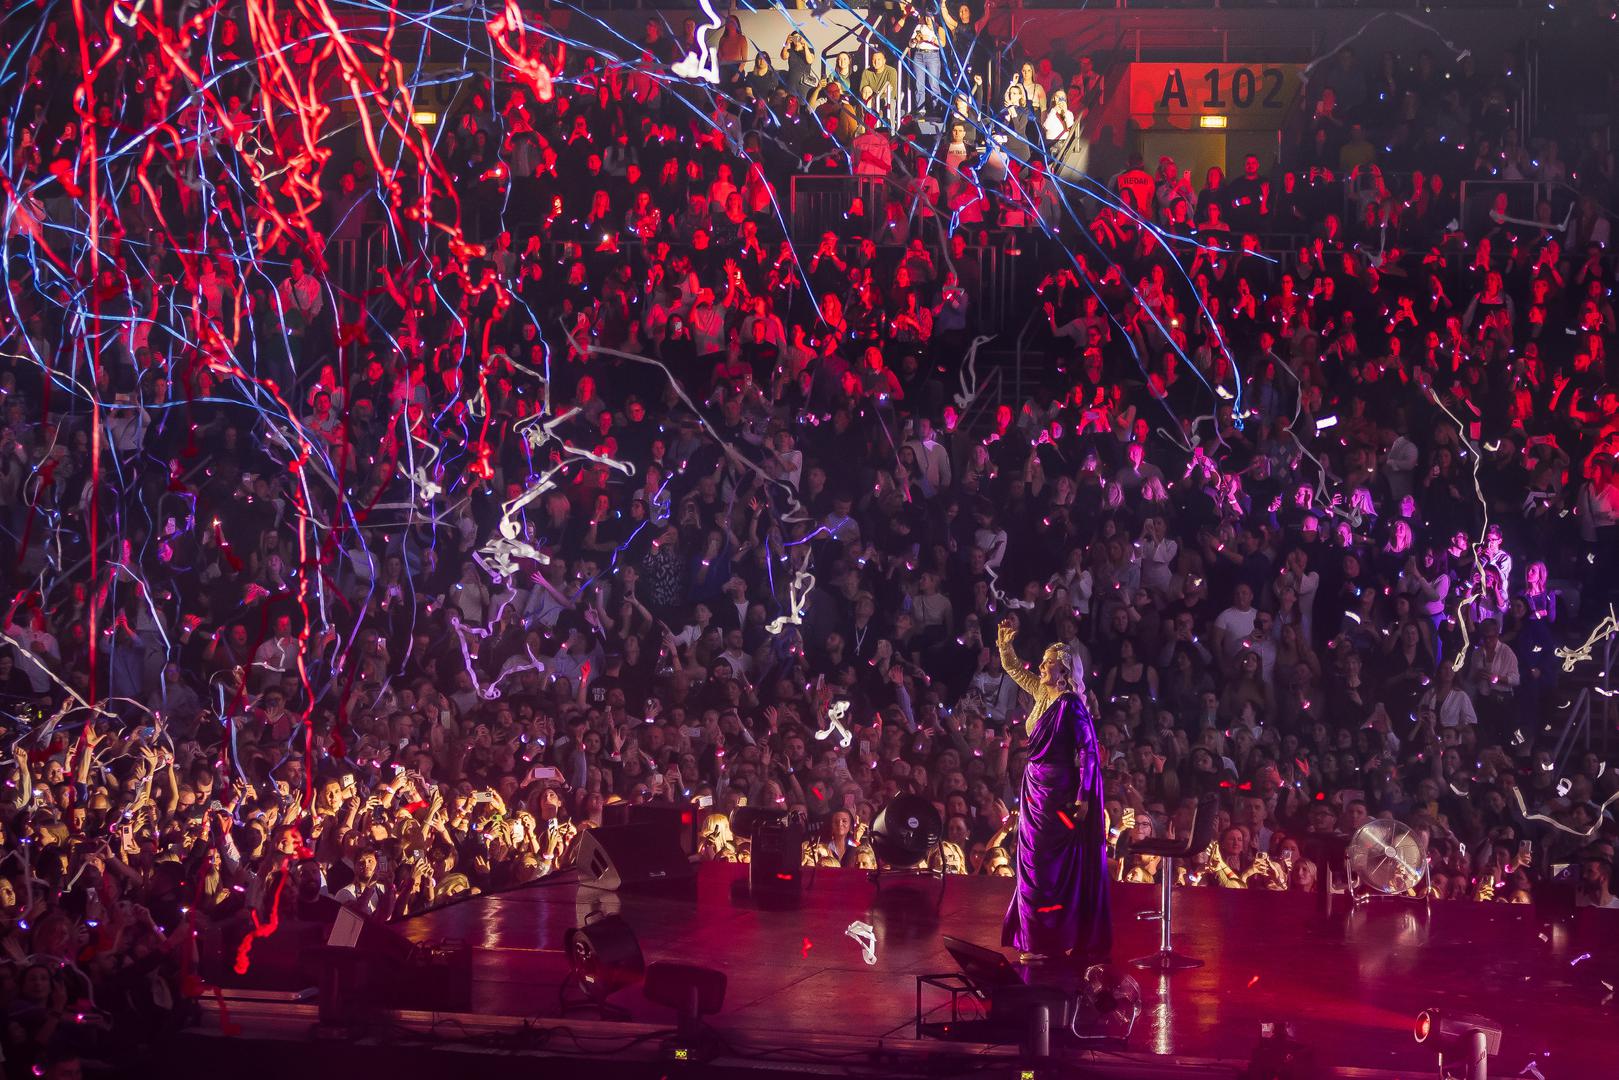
[[1170, 849]]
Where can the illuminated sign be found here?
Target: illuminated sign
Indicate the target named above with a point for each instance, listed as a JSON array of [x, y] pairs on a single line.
[[1212, 95]]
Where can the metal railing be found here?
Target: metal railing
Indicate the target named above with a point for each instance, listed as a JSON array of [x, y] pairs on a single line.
[[1477, 198], [820, 204], [1592, 706], [353, 259], [991, 392], [1021, 388]]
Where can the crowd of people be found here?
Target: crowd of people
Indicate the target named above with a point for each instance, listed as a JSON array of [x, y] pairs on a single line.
[[1318, 521]]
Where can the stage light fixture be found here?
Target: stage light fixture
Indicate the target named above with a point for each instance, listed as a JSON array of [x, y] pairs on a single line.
[[1213, 122], [690, 990], [906, 830], [1278, 1055], [604, 957], [425, 119], [693, 992], [1473, 1038]]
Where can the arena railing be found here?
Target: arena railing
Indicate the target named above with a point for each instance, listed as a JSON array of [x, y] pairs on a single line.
[[1477, 198]]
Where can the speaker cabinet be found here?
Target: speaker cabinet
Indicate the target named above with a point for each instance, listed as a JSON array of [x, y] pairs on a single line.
[[776, 867], [626, 856]]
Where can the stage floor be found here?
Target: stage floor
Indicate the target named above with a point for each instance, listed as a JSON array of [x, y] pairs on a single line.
[[1352, 983]]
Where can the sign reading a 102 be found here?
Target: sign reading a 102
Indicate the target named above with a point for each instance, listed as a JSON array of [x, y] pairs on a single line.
[[1250, 95]]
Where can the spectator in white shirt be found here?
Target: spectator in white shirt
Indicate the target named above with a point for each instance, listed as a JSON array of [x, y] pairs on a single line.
[[301, 295], [989, 538], [42, 653], [741, 663], [279, 655], [1495, 557], [1398, 466], [1262, 642], [367, 891], [1304, 583], [995, 689], [1493, 671], [1157, 552], [1234, 624], [1451, 707], [692, 632], [1077, 580]]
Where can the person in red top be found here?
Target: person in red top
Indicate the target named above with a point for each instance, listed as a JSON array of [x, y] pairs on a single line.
[[1135, 186]]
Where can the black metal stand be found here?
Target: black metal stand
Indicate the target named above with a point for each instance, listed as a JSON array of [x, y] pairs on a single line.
[[1166, 958], [585, 1003], [955, 984], [876, 876]]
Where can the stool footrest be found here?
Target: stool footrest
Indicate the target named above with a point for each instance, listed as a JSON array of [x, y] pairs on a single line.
[[1166, 961]]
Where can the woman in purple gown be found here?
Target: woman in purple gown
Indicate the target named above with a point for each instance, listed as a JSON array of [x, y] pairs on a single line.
[[1060, 905]]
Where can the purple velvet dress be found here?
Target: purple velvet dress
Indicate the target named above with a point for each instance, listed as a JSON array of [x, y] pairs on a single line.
[[1061, 899]]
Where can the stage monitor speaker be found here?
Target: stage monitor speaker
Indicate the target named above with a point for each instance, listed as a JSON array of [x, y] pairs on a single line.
[[624, 856], [776, 868], [986, 969], [679, 820], [690, 990]]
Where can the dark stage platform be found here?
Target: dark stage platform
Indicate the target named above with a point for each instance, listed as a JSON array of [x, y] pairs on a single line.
[[1353, 983]]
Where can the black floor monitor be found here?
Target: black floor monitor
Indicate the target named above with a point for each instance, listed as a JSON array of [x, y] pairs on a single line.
[[985, 968]]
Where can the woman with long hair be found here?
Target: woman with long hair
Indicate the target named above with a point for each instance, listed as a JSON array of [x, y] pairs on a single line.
[[1059, 119], [1060, 905], [732, 51]]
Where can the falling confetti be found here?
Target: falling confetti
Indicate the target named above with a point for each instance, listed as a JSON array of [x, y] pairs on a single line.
[[865, 935]]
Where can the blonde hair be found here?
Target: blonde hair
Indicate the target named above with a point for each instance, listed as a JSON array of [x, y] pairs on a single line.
[[1064, 656], [717, 828]]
